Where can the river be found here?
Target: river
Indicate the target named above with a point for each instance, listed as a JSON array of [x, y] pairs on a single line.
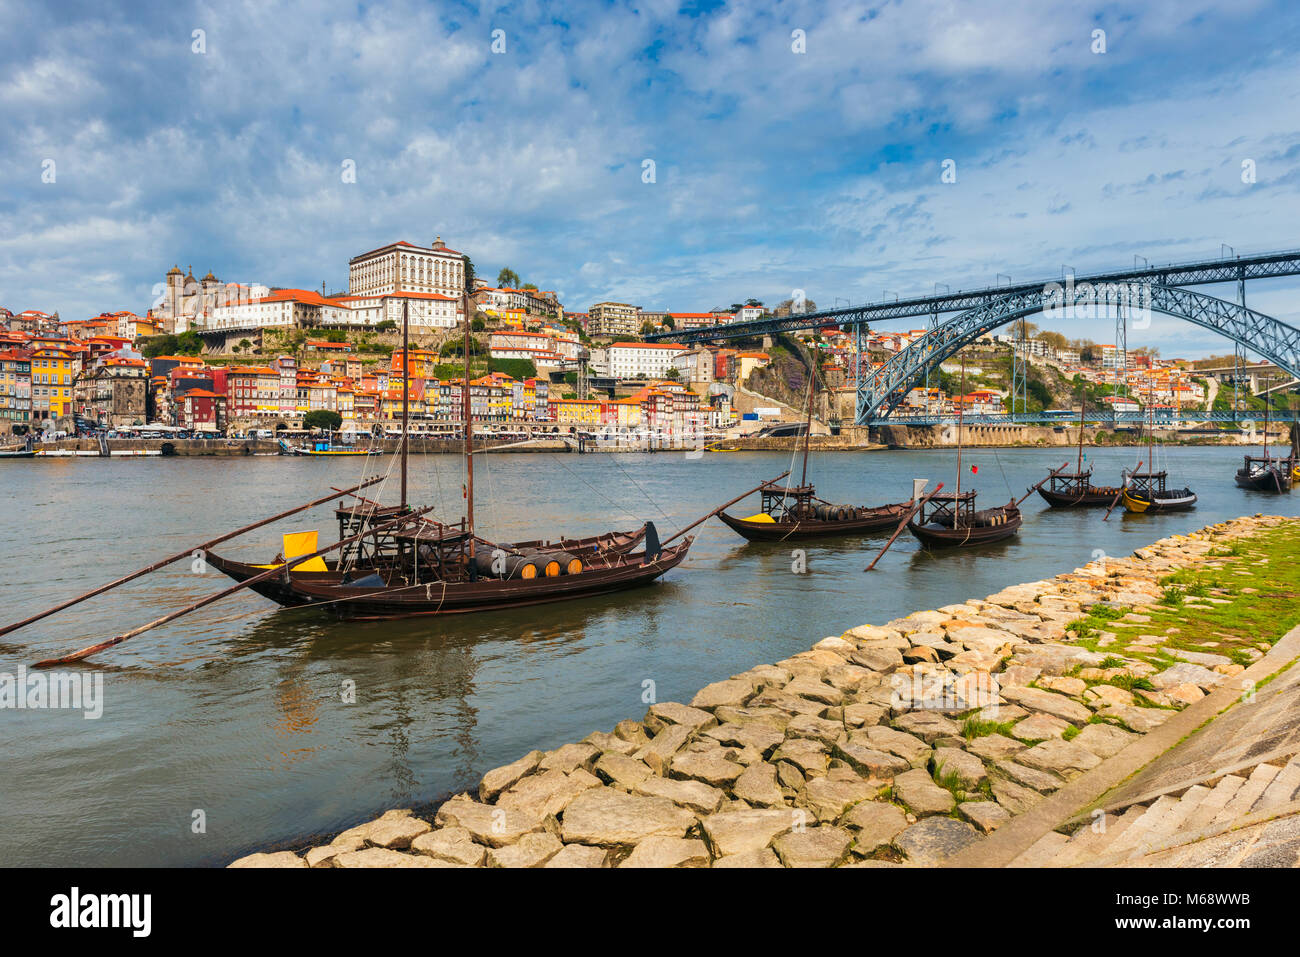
[[227, 731]]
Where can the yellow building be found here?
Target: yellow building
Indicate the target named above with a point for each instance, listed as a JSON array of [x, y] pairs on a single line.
[[575, 411], [52, 373]]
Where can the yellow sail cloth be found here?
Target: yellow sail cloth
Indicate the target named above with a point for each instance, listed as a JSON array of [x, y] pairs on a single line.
[[301, 543], [761, 517]]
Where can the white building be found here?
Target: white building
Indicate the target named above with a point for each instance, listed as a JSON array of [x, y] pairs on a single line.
[[405, 267], [281, 308], [646, 360], [426, 309]]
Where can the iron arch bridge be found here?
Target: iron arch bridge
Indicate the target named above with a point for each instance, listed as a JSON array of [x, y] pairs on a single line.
[[881, 392]]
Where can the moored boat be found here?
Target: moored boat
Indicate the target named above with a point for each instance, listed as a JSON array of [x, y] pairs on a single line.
[[796, 513], [1148, 492], [949, 519]]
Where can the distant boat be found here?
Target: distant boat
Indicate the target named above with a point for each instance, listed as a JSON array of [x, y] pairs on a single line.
[[1148, 492], [1263, 473], [794, 514], [324, 447], [949, 519], [17, 453], [1075, 489]]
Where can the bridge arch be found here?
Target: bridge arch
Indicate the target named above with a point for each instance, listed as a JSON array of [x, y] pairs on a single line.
[[881, 392]]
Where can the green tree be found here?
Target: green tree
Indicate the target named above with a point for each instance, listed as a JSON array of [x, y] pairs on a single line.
[[386, 325], [189, 343], [515, 368], [477, 324], [507, 278], [322, 419], [670, 323]]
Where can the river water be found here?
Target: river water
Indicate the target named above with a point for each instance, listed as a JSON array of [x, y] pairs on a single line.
[[227, 732]]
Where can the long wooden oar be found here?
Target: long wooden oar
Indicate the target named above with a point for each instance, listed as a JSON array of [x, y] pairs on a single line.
[[1040, 484], [902, 525], [205, 546], [1123, 486], [270, 573], [700, 521]]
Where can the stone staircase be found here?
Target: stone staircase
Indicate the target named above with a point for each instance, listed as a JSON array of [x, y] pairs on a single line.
[[1171, 828]]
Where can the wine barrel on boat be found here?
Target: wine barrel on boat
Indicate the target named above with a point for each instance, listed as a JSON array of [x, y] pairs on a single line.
[[571, 564], [506, 567], [554, 564]]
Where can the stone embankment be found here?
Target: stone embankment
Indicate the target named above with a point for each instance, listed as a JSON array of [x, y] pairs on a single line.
[[895, 744]]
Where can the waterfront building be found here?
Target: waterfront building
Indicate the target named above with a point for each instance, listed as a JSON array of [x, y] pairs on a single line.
[[52, 371], [201, 410], [575, 411], [15, 390], [114, 393], [642, 360], [252, 392]]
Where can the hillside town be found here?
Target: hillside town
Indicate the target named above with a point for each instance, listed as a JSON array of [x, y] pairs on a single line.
[[214, 358]]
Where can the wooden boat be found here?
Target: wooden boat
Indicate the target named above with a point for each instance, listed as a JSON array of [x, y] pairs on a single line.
[[797, 514], [793, 514], [1075, 489], [1264, 473], [949, 519], [373, 556], [453, 589], [1147, 492]]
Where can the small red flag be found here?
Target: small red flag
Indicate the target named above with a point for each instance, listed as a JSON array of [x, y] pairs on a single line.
[[974, 470]]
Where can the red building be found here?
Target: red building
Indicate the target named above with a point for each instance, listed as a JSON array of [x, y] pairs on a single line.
[[201, 410]]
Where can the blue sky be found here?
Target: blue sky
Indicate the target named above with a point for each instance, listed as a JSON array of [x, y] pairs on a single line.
[[774, 169]]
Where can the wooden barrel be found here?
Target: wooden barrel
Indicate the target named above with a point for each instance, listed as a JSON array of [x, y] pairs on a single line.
[[511, 566], [571, 564]]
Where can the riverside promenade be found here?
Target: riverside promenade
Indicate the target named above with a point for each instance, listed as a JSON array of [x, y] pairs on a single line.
[[1138, 710]]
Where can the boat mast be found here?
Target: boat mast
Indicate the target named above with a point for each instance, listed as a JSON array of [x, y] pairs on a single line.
[[807, 432], [1083, 404], [469, 434], [406, 391], [961, 402], [1266, 411]]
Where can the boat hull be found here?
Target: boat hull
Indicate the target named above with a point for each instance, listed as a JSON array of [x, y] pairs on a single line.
[[876, 520], [280, 590], [1143, 504], [932, 535], [1094, 497], [1267, 480], [372, 603]]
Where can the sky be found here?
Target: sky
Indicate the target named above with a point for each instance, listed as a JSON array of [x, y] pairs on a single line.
[[794, 145]]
